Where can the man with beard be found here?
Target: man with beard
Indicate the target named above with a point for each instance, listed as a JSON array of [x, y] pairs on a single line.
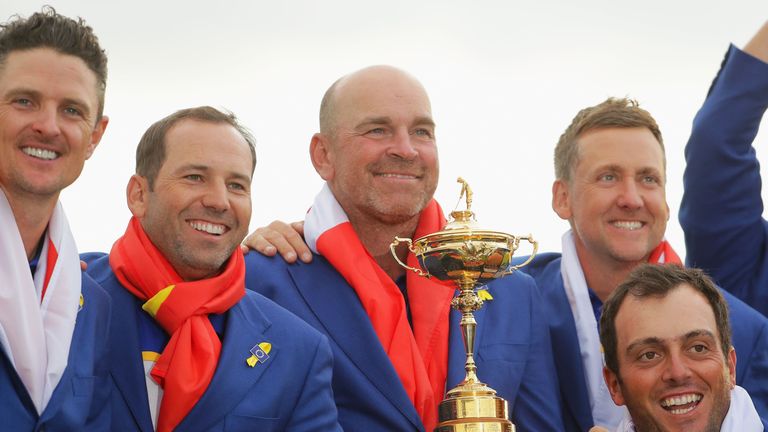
[[396, 342], [668, 355], [610, 168], [53, 370], [192, 349]]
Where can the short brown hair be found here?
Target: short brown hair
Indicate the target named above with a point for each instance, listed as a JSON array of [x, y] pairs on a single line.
[[150, 153], [612, 113], [654, 280], [48, 29]]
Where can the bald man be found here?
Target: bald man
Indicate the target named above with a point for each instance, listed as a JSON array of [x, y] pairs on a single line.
[[395, 339]]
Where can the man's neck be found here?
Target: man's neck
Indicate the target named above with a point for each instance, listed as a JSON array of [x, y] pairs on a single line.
[[376, 238], [32, 216], [603, 276]]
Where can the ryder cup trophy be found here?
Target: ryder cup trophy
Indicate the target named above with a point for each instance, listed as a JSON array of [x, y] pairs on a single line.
[[466, 257]]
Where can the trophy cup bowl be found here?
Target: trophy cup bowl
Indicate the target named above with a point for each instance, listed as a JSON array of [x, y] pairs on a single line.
[[467, 257]]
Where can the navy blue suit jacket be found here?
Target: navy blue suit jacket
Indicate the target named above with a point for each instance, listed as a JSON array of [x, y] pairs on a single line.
[[722, 208], [290, 391], [512, 350], [80, 400], [750, 338]]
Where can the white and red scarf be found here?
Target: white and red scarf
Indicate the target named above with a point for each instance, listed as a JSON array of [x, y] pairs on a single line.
[[37, 313], [420, 356], [604, 411]]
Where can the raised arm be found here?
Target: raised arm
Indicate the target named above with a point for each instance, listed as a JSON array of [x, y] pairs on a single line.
[[721, 210]]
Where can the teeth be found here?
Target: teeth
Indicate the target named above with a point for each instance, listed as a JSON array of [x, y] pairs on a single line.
[[682, 410], [681, 400], [400, 176], [208, 227], [40, 153], [630, 225]]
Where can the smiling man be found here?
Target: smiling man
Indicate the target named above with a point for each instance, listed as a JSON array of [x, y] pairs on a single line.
[[610, 187], [396, 342], [53, 370], [668, 354], [193, 350]]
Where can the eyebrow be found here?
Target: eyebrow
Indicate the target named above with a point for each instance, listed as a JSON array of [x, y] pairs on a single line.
[[22, 91], [652, 341], [206, 168], [34, 94], [383, 120]]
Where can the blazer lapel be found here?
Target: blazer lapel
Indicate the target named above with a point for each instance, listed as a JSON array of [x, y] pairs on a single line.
[[233, 377], [346, 323], [125, 357], [565, 344]]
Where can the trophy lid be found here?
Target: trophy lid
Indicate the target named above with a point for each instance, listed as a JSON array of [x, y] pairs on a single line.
[[463, 219]]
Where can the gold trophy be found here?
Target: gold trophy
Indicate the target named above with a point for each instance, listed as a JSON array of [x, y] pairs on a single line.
[[467, 257]]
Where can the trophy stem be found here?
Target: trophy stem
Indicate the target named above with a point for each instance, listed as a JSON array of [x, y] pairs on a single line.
[[468, 302]]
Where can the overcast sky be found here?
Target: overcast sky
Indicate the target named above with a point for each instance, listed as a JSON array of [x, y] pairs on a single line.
[[505, 79]]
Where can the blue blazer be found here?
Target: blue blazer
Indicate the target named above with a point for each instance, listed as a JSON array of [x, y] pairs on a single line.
[[512, 347], [290, 391], [80, 400], [722, 208], [750, 338]]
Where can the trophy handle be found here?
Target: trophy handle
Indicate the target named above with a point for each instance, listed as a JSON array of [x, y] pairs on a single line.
[[514, 247], [392, 247]]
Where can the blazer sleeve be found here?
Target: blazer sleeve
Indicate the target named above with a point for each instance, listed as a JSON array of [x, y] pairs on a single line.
[[721, 210]]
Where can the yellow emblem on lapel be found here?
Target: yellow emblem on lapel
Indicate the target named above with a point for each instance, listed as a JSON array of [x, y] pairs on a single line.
[[80, 303], [259, 354], [484, 295]]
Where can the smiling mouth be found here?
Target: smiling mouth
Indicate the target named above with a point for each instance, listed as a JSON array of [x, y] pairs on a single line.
[[398, 176], [681, 404], [207, 227], [628, 225], [40, 153]]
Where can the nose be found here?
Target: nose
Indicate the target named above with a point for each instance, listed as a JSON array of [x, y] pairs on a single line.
[[630, 196], [46, 122], [216, 197], [676, 369], [401, 146]]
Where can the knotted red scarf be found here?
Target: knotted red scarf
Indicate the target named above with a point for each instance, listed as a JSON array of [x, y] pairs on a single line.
[[663, 253], [419, 356], [187, 363]]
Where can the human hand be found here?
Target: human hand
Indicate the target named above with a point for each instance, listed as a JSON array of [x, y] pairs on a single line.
[[279, 237]]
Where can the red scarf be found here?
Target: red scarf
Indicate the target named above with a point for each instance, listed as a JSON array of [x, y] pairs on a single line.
[[50, 263], [187, 364], [663, 253], [419, 356]]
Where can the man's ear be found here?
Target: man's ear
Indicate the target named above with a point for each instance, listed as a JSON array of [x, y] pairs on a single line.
[[320, 153], [732, 365], [612, 381], [98, 132], [137, 194], [561, 199]]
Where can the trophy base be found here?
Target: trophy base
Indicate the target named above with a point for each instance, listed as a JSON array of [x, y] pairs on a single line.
[[473, 407]]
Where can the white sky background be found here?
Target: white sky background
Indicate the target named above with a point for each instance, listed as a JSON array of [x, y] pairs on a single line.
[[505, 79]]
